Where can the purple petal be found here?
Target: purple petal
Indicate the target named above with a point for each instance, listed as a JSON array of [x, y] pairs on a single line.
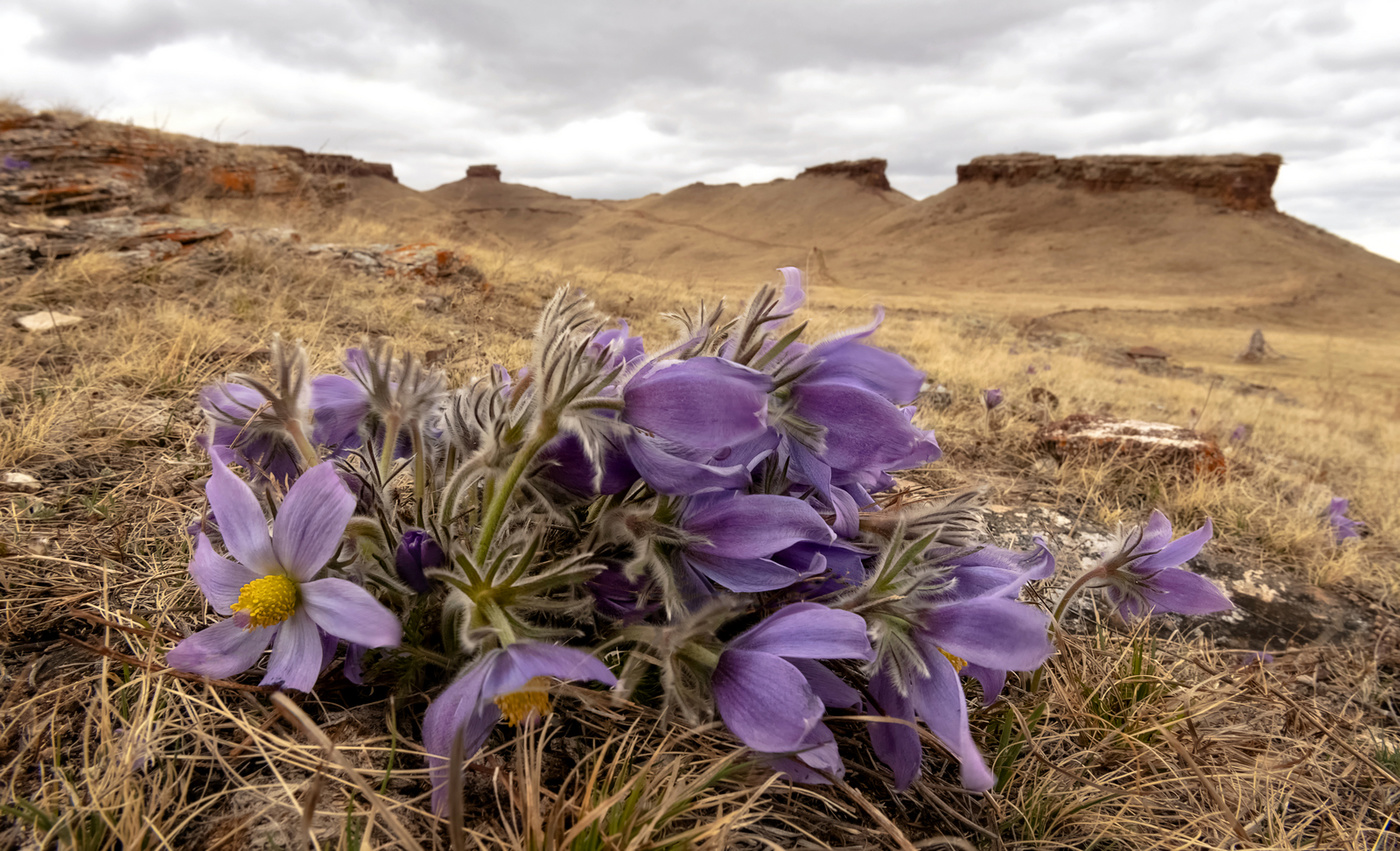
[[295, 662], [1156, 533], [311, 521], [1184, 592], [354, 665], [339, 404], [222, 650], [347, 611], [537, 659], [764, 701], [747, 575], [897, 745], [942, 705], [242, 523], [459, 711], [663, 465], [829, 688], [992, 631], [992, 680], [866, 367], [220, 579], [809, 631], [704, 402], [753, 525], [817, 758], [1178, 552], [864, 430]]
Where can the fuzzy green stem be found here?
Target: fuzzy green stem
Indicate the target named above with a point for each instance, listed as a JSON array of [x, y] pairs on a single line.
[[545, 431], [386, 452], [308, 454], [1075, 587]]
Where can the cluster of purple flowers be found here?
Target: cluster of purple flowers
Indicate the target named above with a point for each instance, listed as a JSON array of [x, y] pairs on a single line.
[[709, 508]]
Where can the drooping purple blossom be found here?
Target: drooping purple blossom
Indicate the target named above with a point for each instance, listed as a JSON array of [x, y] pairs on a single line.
[[1145, 577], [504, 683], [702, 403], [734, 538], [1343, 527], [990, 631], [992, 397], [269, 589], [771, 691]]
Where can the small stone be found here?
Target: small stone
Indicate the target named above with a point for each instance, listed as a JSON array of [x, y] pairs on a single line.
[[17, 481], [46, 320]]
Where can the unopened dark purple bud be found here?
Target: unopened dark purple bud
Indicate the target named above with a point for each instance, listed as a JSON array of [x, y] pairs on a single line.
[[417, 553], [992, 397]]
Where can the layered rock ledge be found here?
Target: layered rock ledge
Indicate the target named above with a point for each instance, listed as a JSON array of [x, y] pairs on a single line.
[[869, 172], [1237, 181]]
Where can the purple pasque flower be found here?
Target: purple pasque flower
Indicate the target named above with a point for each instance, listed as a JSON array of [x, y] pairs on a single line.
[[417, 552], [622, 348], [1145, 576], [509, 683], [771, 691], [1343, 527], [703, 403], [268, 585], [843, 428], [917, 675], [732, 537], [992, 397], [995, 572], [12, 164]]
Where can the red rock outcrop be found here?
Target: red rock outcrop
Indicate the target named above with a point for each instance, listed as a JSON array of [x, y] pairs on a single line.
[[341, 165], [1237, 181], [1167, 447], [869, 172], [63, 163], [484, 171]]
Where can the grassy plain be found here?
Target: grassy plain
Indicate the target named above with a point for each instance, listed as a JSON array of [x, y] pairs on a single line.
[[1134, 742]]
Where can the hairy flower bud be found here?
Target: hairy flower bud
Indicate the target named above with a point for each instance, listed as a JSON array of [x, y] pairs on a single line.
[[417, 553]]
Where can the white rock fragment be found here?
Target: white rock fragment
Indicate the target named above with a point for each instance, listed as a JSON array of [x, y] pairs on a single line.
[[46, 320], [17, 481]]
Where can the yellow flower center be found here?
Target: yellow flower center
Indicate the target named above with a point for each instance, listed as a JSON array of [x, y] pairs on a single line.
[[958, 663], [532, 700], [268, 600]]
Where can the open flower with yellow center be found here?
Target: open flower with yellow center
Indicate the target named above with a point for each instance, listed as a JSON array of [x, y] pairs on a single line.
[[268, 585], [510, 684]]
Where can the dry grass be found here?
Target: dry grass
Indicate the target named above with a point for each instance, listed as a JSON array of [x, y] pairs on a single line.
[[1131, 744]]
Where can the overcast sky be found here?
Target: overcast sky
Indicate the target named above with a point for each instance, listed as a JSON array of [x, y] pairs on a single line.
[[619, 99]]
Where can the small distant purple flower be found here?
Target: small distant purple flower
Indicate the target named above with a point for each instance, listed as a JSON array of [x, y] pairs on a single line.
[[1251, 658], [771, 691], [12, 164], [992, 397], [1343, 527], [1030, 370], [1145, 576], [1240, 434], [269, 589], [508, 683], [417, 552]]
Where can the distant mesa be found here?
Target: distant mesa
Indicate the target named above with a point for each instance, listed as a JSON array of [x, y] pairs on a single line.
[[870, 172], [1237, 181], [485, 171]]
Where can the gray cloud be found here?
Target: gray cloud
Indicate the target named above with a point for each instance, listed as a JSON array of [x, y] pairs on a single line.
[[617, 99]]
